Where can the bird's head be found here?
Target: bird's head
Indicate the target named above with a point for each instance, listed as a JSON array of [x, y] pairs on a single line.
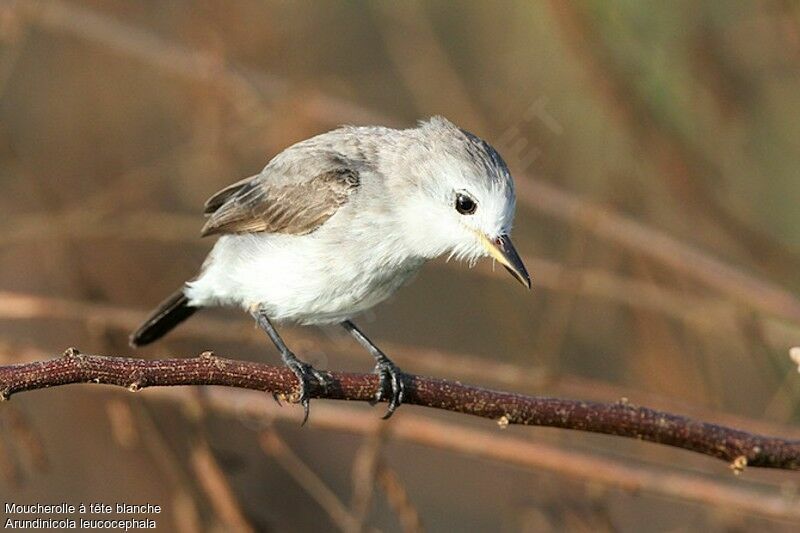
[[462, 199]]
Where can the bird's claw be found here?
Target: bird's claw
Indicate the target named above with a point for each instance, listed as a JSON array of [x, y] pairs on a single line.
[[305, 374], [390, 378]]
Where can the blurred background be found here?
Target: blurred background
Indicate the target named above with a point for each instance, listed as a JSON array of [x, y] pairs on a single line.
[[656, 149]]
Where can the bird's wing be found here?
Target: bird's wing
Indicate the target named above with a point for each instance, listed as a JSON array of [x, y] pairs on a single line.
[[279, 204]]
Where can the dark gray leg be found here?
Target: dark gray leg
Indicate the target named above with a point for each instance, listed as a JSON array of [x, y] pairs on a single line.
[[391, 378], [304, 372]]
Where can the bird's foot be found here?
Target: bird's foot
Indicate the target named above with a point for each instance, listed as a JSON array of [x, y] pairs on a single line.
[[391, 386], [305, 375]]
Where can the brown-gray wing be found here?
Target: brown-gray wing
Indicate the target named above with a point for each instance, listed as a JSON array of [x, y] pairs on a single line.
[[256, 205]]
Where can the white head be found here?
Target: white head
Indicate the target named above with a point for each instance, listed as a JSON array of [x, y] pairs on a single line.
[[462, 199]]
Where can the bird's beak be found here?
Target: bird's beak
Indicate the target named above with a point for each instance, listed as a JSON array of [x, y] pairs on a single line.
[[503, 251]]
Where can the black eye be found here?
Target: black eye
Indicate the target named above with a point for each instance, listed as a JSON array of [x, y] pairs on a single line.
[[465, 205]]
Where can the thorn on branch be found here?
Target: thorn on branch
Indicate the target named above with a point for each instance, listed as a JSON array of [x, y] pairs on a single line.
[[625, 402], [739, 464], [73, 353], [137, 382], [504, 421]]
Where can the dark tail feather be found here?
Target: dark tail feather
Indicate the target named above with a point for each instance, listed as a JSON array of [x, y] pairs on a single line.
[[169, 314]]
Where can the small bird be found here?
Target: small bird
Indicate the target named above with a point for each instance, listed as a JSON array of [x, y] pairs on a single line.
[[335, 224]]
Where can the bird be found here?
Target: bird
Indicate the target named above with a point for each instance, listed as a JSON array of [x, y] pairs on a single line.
[[335, 224]]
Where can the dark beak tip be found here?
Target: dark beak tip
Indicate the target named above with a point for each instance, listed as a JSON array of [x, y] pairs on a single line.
[[521, 276], [515, 267], [526, 280]]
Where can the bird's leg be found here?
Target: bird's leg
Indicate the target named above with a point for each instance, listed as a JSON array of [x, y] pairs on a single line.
[[391, 377], [304, 371]]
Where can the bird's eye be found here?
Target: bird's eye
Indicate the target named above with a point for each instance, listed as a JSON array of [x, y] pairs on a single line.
[[464, 204]]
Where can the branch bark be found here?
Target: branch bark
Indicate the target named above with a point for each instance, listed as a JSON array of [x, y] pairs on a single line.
[[620, 419]]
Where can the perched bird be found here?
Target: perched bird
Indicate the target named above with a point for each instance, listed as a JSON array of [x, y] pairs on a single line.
[[335, 224]]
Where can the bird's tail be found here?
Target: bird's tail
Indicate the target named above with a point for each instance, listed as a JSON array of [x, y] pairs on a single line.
[[166, 316]]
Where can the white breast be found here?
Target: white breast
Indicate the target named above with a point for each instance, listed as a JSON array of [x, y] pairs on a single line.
[[323, 277]]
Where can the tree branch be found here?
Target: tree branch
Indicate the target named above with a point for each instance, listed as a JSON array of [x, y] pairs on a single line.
[[620, 419]]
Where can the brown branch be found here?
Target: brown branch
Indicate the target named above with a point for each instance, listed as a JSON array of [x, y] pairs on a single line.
[[620, 419], [496, 446]]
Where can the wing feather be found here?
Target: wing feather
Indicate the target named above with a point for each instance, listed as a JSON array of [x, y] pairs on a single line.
[[256, 204], [216, 201]]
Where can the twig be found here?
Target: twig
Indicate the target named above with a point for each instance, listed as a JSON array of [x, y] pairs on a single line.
[[620, 419], [167, 464], [365, 468], [9, 462], [216, 487], [28, 440], [273, 445], [123, 427], [184, 512], [407, 28], [554, 325], [398, 499], [13, 36]]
